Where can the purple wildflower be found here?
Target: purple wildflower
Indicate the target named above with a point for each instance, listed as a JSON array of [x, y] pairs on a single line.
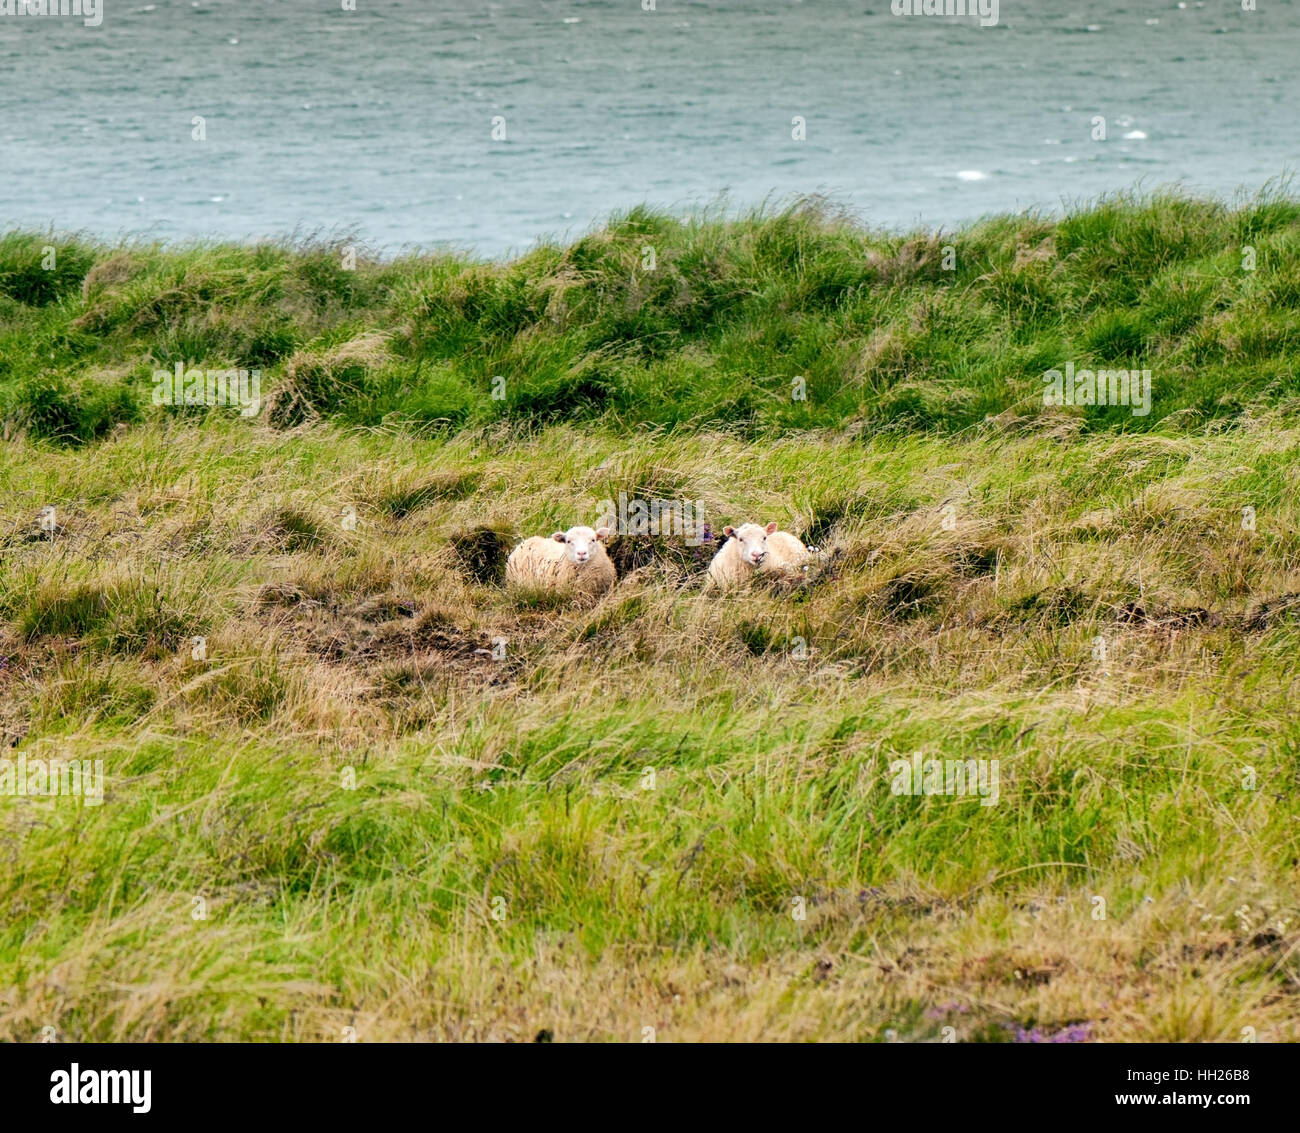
[[1074, 1033]]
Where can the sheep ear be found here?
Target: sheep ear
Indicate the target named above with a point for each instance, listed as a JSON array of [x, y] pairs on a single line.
[[770, 527], [558, 537], [602, 533], [728, 530]]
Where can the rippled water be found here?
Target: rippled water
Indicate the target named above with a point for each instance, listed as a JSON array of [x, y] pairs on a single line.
[[379, 121]]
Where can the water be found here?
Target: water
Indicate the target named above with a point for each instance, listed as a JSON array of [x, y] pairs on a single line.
[[378, 122]]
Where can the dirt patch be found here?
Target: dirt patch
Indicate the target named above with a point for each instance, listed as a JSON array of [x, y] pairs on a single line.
[[32, 533], [385, 608], [976, 560], [1275, 611], [670, 555], [391, 639], [481, 554], [1174, 617], [363, 635], [14, 722]]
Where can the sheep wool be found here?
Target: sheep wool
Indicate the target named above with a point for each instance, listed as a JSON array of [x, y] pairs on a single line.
[[751, 549], [572, 561]]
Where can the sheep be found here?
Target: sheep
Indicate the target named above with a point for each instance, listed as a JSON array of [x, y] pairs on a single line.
[[572, 561], [751, 549]]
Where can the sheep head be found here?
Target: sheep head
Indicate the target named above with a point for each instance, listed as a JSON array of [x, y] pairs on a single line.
[[752, 540], [580, 542]]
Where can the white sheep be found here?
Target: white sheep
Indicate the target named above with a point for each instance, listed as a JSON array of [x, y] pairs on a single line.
[[572, 561], [751, 549]]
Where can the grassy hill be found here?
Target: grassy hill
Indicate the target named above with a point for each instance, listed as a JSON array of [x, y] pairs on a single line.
[[386, 795]]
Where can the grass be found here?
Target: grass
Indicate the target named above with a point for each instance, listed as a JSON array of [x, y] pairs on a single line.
[[385, 794], [656, 321]]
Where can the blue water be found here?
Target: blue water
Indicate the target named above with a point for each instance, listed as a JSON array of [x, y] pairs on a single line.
[[378, 122]]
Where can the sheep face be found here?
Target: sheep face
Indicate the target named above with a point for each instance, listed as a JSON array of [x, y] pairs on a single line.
[[580, 542], [751, 540]]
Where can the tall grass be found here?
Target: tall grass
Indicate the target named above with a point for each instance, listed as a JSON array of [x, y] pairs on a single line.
[[667, 322], [352, 782], [607, 827]]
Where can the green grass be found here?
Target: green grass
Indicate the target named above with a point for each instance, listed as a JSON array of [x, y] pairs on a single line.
[[412, 803], [881, 332]]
